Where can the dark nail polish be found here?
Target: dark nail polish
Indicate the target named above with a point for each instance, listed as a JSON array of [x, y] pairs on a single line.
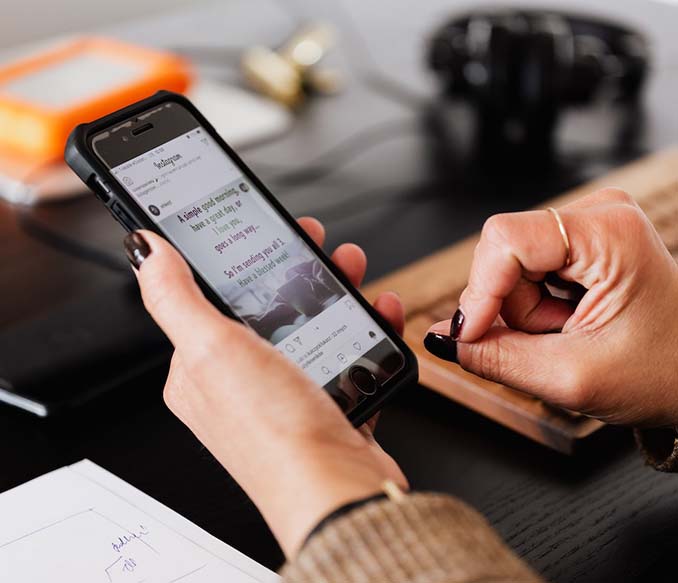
[[441, 346], [457, 323], [137, 249]]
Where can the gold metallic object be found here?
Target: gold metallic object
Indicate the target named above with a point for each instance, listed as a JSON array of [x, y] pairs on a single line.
[[393, 491], [285, 74], [563, 234]]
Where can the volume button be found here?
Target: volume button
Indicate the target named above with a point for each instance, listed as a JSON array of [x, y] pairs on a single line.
[[102, 190], [123, 218]]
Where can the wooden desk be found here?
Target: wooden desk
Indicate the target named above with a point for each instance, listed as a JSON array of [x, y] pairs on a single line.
[[598, 517]]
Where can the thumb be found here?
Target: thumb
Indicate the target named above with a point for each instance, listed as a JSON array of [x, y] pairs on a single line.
[[548, 366], [170, 293]]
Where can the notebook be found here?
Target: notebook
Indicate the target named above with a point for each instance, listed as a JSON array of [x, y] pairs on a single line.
[[82, 524]]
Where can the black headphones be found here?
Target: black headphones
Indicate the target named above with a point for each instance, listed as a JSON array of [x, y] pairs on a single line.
[[525, 66]]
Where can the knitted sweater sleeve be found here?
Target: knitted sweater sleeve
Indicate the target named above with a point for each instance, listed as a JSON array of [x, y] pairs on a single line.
[[426, 538]]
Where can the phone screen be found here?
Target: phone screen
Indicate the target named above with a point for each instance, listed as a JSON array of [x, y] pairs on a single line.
[[246, 251]]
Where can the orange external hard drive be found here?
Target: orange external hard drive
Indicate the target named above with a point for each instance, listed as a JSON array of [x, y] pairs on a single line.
[[43, 97]]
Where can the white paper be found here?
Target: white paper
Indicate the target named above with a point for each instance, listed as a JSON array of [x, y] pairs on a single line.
[[82, 524]]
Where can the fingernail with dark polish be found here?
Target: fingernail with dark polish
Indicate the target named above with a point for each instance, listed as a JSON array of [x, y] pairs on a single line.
[[457, 323], [137, 249], [441, 346]]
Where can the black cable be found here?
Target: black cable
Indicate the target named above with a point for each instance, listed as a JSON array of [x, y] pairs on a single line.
[[368, 69], [211, 55], [371, 198], [338, 155], [323, 165], [417, 192], [395, 90], [230, 55], [42, 233]]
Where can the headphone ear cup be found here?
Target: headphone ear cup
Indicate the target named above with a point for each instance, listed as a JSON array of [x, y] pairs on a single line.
[[587, 70], [537, 74], [637, 58], [447, 56], [521, 68], [524, 67], [497, 93]]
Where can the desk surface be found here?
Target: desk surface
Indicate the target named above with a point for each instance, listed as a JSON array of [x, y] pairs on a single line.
[[600, 516]]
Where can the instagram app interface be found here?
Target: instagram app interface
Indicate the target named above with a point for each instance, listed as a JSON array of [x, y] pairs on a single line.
[[249, 255]]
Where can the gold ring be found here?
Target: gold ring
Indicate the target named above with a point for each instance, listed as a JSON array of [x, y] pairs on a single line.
[[563, 234]]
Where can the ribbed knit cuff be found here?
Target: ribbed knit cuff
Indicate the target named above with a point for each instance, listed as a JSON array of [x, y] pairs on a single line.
[[660, 447], [345, 509], [428, 538]]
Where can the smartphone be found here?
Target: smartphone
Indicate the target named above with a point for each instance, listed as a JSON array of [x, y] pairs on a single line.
[[160, 165]]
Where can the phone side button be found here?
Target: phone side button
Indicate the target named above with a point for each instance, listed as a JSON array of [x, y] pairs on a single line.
[[123, 218], [363, 380], [101, 189]]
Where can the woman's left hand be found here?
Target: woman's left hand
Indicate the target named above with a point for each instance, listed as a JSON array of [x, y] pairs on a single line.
[[277, 432]]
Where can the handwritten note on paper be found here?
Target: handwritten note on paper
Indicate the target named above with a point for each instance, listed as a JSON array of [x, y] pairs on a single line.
[[81, 524]]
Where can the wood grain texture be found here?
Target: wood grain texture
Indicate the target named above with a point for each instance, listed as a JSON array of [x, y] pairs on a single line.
[[430, 289]]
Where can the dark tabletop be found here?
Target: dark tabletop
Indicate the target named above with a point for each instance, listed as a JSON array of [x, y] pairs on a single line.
[[595, 517]]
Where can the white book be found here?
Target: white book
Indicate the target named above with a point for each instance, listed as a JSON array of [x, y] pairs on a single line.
[[82, 524]]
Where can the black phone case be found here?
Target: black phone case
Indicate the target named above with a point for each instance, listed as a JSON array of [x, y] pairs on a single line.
[[84, 162]]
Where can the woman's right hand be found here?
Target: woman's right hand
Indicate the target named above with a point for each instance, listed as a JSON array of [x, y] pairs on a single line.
[[614, 353]]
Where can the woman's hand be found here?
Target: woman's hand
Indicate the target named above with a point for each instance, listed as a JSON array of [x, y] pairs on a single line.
[[614, 353], [278, 433]]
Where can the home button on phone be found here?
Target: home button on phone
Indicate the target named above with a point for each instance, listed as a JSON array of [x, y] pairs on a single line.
[[363, 380]]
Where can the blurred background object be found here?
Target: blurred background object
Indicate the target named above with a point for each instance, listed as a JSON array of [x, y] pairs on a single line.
[[287, 74], [45, 95], [521, 69]]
